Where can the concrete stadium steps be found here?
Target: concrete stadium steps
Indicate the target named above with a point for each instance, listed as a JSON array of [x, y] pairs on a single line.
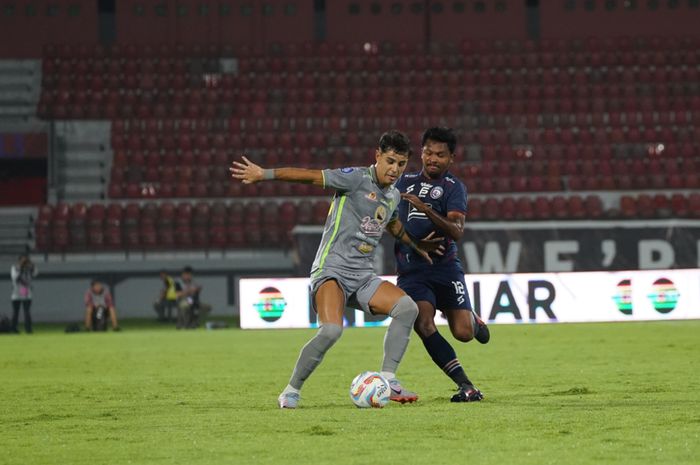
[[16, 230]]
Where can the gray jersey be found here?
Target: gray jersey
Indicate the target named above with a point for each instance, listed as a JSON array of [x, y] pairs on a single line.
[[360, 211]]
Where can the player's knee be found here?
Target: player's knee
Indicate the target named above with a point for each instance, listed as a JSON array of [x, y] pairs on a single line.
[[424, 326], [330, 333], [405, 309], [463, 334]]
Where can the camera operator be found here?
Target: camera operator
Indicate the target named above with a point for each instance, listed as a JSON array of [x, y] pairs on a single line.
[[190, 307], [22, 274], [98, 305]]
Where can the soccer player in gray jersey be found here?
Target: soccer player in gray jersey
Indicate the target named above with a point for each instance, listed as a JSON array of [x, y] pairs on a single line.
[[364, 204]]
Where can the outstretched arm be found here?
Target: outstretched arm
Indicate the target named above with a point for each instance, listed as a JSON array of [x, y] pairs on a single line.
[[249, 173], [452, 225]]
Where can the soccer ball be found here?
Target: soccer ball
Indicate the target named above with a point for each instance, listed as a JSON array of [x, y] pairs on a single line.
[[370, 389]]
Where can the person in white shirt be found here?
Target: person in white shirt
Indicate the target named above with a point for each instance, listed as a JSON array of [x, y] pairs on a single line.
[[22, 274]]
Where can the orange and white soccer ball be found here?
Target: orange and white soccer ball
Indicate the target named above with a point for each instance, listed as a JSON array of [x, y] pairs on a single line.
[[370, 389]]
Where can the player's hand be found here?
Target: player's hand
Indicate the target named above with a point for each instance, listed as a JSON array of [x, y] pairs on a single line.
[[425, 255], [432, 244], [415, 201], [248, 172]]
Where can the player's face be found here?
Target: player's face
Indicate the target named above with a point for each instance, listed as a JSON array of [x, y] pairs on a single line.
[[436, 158], [390, 166]]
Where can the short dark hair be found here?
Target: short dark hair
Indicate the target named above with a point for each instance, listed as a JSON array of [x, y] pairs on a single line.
[[440, 134], [396, 141], [187, 269]]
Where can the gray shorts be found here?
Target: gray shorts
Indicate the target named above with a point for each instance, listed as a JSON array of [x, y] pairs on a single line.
[[358, 288]]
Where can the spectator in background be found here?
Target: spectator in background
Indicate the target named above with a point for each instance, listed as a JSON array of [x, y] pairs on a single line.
[[189, 306], [22, 274], [99, 303], [166, 306]]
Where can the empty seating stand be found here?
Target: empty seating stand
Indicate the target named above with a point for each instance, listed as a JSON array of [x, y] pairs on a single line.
[[543, 127], [530, 109], [157, 225]]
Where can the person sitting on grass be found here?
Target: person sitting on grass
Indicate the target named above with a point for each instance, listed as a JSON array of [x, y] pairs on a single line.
[[98, 303], [190, 308]]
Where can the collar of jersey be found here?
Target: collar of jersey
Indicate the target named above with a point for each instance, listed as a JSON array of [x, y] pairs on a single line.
[[373, 174], [423, 176]]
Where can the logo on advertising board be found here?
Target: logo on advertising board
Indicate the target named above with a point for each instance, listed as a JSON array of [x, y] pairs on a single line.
[[271, 304], [664, 296], [623, 298]]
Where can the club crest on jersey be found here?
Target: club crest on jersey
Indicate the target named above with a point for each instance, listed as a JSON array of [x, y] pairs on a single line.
[[436, 192], [380, 214], [372, 196], [346, 170]]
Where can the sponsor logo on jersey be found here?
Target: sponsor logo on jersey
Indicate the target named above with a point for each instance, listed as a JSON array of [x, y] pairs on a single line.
[[436, 192], [365, 248], [371, 227], [414, 213]]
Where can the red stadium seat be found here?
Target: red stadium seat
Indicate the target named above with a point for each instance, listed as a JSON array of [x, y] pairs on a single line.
[[559, 207], [628, 207], [576, 207], [541, 208], [60, 239], [524, 209]]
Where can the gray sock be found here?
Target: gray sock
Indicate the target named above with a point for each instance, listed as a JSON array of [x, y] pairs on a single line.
[[312, 353], [397, 336]]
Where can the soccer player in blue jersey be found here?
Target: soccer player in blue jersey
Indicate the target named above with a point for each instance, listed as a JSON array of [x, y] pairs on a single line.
[[364, 205], [436, 204]]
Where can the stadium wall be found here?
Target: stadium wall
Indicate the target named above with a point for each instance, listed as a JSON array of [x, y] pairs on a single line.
[[548, 246], [225, 23], [25, 27], [571, 19], [62, 280]]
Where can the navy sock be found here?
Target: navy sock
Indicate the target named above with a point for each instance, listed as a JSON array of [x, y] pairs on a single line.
[[445, 357]]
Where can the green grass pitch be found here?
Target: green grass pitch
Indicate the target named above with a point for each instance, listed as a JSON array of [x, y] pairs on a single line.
[[555, 394]]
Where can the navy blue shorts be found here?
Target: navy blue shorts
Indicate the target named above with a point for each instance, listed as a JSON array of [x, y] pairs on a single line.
[[445, 289]]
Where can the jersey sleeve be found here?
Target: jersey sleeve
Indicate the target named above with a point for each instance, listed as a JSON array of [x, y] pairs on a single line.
[[457, 200], [343, 179]]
